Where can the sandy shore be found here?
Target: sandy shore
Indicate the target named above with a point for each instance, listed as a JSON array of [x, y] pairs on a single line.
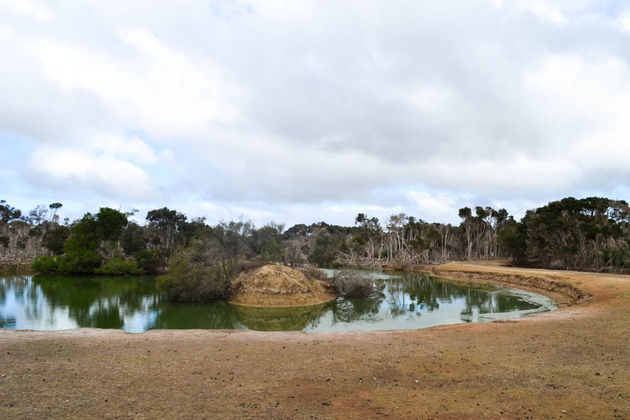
[[570, 363]]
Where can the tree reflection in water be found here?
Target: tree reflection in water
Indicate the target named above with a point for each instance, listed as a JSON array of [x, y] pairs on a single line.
[[350, 310], [176, 315], [281, 319], [409, 300], [99, 302]]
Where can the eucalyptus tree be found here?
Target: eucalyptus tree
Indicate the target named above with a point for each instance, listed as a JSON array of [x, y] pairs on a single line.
[[55, 207], [232, 243], [467, 225], [8, 213], [371, 233], [165, 225]]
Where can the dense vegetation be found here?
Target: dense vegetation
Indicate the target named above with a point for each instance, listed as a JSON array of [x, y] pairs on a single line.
[[591, 233]]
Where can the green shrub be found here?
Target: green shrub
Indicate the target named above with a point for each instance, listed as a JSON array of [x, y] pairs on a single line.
[[273, 252], [314, 273], [189, 281], [55, 239], [119, 267], [148, 260], [79, 261], [45, 264]]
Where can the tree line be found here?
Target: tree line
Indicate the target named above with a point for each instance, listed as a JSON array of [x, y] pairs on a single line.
[[586, 234]]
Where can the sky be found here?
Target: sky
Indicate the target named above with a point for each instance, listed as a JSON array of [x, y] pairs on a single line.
[[300, 112]]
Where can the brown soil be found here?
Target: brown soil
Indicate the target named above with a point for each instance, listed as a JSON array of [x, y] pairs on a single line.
[[570, 363], [278, 285]]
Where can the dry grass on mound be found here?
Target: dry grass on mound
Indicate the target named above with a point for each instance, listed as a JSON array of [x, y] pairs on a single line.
[[278, 285]]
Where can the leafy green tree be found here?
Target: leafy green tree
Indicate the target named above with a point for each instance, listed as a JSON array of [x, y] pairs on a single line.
[[133, 239], [265, 242], [166, 224], [327, 246], [8, 213], [513, 238], [149, 260], [54, 207], [55, 239], [110, 224], [578, 233]]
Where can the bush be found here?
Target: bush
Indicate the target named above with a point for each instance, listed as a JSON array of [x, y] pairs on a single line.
[[193, 281], [4, 241], [314, 273], [148, 260], [55, 239], [84, 261], [119, 267], [351, 284], [45, 264], [324, 254]]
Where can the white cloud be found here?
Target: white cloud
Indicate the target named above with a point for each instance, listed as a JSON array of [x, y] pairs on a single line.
[[543, 10], [27, 8], [430, 207], [153, 87], [317, 108], [132, 148], [101, 174]]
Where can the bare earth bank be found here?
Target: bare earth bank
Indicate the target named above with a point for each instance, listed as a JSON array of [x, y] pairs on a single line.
[[570, 363]]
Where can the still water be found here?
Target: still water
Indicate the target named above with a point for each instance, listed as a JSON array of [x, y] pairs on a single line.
[[133, 304]]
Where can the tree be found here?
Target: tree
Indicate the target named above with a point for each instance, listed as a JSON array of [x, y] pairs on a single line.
[[80, 249], [37, 215], [232, 239], [54, 239], [370, 232], [8, 213], [166, 224], [133, 239], [326, 249], [54, 207], [578, 233], [466, 215], [513, 238], [110, 224], [266, 242]]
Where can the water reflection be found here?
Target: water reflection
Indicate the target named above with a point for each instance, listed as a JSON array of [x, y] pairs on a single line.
[[409, 300]]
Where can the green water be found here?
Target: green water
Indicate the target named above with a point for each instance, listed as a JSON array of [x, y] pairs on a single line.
[[133, 304]]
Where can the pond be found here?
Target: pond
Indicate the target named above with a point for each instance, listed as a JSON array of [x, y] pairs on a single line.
[[133, 304]]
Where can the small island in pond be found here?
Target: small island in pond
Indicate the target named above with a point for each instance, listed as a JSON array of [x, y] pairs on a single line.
[[279, 285]]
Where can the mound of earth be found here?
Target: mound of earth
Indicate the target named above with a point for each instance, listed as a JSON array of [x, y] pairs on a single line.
[[279, 285]]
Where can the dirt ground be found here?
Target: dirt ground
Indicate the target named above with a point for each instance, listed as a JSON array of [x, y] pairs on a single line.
[[570, 363]]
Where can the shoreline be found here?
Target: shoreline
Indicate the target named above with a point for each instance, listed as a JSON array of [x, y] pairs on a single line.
[[574, 359]]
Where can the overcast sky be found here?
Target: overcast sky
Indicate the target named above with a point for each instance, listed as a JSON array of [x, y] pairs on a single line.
[[306, 111]]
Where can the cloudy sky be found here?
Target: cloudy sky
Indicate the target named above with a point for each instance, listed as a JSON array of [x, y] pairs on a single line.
[[313, 110]]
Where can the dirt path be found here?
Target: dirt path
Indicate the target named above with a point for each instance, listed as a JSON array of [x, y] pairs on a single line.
[[570, 363]]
